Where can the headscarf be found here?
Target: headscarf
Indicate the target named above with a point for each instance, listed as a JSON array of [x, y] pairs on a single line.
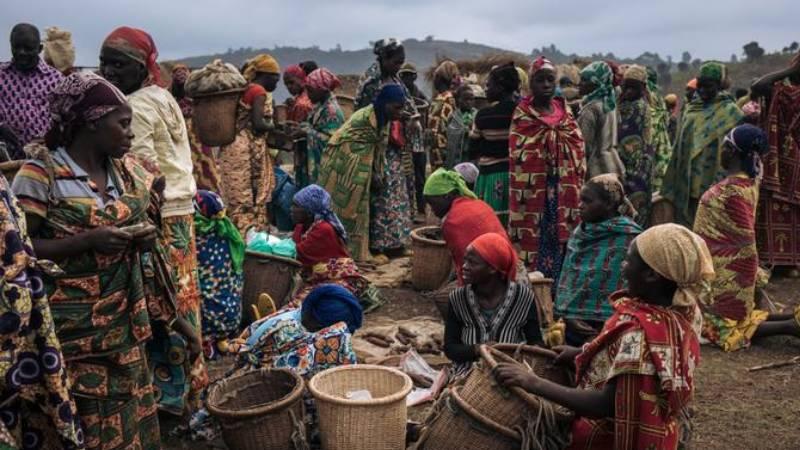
[[713, 70], [389, 93], [323, 79], [523, 79], [497, 251], [317, 201], [610, 183], [180, 73], [692, 84], [652, 79], [542, 63], [330, 303], [599, 74], [679, 255], [449, 72], [295, 71], [262, 63], [468, 171], [139, 46], [637, 73], [443, 182], [506, 76], [79, 98], [210, 218], [750, 142], [671, 100], [616, 71], [383, 47]]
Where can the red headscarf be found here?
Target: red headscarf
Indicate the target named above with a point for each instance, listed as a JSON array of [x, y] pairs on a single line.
[[618, 74], [295, 71], [138, 45], [541, 63], [497, 251], [323, 79]]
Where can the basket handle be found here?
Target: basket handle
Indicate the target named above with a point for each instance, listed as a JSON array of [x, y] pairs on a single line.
[[488, 354]]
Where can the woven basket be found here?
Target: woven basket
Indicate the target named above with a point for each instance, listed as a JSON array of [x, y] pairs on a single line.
[[259, 410], [265, 273], [10, 169], [457, 426], [214, 117], [431, 263], [348, 105], [663, 211], [376, 424], [441, 298]]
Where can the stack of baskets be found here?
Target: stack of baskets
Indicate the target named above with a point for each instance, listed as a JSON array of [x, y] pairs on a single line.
[[482, 415], [260, 410], [265, 273], [214, 116], [431, 263], [349, 424]]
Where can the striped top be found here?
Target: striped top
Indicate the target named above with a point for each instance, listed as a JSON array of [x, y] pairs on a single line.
[[513, 322], [32, 185], [489, 136]]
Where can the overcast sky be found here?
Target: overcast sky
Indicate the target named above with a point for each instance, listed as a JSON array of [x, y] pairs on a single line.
[[706, 28]]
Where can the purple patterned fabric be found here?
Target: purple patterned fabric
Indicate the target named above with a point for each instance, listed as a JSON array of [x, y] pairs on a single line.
[[23, 99]]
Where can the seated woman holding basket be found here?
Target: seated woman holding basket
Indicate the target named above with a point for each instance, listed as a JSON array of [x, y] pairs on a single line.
[[321, 243], [635, 380]]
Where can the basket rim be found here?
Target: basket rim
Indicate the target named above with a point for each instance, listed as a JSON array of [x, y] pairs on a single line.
[[278, 405], [279, 258], [488, 353], [415, 236], [348, 97], [226, 92], [393, 398], [476, 415]]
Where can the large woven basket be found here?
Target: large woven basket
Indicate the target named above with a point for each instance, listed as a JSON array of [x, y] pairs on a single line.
[[214, 117], [347, 103], [10, 169], [441, 298], [259, 410], [266, 273], [662, 211], [431, 263], [376, 424]]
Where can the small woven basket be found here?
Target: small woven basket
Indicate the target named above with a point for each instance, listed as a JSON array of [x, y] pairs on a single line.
[[214, 116], [259, 410], [431, 263], [266, 273], [375, 424]]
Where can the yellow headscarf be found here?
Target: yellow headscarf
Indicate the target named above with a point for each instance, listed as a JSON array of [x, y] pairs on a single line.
[[443, 182], [678, 254], [636, 72], [261, 63], [523, 81]]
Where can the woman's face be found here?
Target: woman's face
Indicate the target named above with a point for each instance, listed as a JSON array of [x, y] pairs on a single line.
[[586, 87], [493, 90], [113, 132], [475, 270], [440, 204], [293, 85], [632, 90], [300, 215], [636, 272], [707, 89], [316, 95], [394, 111], [267, 80], [391, 64], [121, 70], [594, 208], [543, 84], [465, 100]]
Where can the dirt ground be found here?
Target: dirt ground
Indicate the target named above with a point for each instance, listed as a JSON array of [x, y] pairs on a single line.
[[733, 408]]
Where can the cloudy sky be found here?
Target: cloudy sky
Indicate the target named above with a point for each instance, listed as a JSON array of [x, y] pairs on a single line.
[[707, 28]]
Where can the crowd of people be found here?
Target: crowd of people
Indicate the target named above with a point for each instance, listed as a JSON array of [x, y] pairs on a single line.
[[125, 234]]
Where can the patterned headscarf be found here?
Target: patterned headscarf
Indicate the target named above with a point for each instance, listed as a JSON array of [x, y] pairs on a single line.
[[77, 99], [468, 171], [390, 93], [317, 201], [750, 142], [139, 46], [652, 79], [323, 79], [295, 71], [637, 73], [262, 63], [330, 303], [443, 182], [609, 182], [210, 218], [679, 255], [541, 63], [498, 252], [506, 76], [713, 70], [385, 46], [180, 73], [600, 74], [449, 72]]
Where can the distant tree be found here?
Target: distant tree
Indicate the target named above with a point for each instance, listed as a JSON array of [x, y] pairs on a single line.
[[734, 58], [429, 38], [669, 61], [683, 66], [686, 57], [794, 46], [466, 41], [230, 51], [697, 63], [753, 51], [338, 48]]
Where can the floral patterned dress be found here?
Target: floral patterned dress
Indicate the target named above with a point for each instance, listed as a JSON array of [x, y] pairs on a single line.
[[637, 154], [324, 120]]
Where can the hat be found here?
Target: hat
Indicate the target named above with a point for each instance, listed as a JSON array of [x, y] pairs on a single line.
[[408, 68]]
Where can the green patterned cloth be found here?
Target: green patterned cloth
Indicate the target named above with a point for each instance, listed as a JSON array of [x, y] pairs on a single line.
[[659, 136], [492, 188], [600, 74]]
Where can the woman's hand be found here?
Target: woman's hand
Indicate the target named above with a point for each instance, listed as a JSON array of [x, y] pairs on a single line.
[[566, 355], [146, 238], [108, 240], [511, 375]]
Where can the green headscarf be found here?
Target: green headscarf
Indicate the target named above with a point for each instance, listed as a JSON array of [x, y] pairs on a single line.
[[600, 74], [713, 70], [443, 182], [652, 80], [209, 217]]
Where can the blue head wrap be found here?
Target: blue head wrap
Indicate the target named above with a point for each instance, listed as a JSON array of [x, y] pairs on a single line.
[[317, 201], [390, 93], [331, 303], [208, 203], [750, 142]]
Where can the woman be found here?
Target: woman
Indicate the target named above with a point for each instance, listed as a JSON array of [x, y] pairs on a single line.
[[459, 126], [661, 122], [598, 120], [446, 78], [694, 166], [326, 117], [299, 105], [321, 243], [309, 339], [593, 261], [726, 220], [249, 177], [489, 139], [490, 307], [81, 197], [366, 190], [206, 173], [636, 379], [635, 140], [220, 255], [548, 167]]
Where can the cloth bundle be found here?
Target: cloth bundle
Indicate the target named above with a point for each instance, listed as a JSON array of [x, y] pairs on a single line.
[[216, 76], [58, 49]]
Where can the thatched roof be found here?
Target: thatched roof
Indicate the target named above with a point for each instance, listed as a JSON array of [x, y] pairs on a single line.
[[483, 65]]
